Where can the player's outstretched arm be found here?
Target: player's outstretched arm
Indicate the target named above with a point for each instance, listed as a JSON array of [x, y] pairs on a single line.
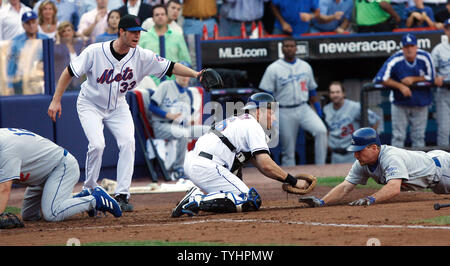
[[338, 192], [55, 106], [179, 69], [269, 168], [388, 191], [5, 190]]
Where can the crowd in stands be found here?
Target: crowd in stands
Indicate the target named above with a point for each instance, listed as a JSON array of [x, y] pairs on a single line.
[[290, 17]]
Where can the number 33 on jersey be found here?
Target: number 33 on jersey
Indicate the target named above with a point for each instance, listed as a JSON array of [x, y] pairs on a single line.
[[108, 79]]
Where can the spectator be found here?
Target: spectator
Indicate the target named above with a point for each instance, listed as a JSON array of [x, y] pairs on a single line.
[[335, 16], [375, 16], [173, 12], [47, 20], [88, 5], [112, 29], [441, 59], [442, 15], [399, 72], [399, 7], [197, 13], [419, 15], [172, 106], [93, 23], [137, 8], [67, 11], [175, 46], [343, 117], [293, 17], [435, 5], [68, 45], [291, 80], [30, 25], [236, 12], [10, 22]]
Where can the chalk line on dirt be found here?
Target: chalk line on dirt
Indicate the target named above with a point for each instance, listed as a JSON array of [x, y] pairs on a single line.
[[195, 221]]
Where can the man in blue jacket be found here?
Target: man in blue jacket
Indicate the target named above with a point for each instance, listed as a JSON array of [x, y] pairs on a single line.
[[409, 106]]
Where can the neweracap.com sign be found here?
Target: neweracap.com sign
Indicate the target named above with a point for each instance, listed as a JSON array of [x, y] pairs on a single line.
[[316, 48]]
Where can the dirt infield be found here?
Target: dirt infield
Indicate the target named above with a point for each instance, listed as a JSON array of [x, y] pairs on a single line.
[[281, 220]]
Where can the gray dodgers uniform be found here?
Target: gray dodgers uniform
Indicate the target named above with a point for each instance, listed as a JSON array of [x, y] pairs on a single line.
[[419, 170], [341, 124], [47, 170], [169, 98], [441, 60], [290, 84]]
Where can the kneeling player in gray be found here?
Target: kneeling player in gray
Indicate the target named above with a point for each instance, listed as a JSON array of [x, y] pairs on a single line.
[[212, 165], [395, 168], [50, 173]]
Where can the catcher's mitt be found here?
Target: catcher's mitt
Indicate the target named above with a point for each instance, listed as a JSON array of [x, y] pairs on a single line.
[[210, 79], [9, 220], [312, 180]]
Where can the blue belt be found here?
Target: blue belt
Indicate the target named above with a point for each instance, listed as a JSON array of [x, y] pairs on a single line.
[[65, 152], [291, 106], [436, 161]]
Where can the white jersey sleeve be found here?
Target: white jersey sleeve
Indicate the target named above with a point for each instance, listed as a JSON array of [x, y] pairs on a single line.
[[83, 63], [356, 175], [151, 64], [255, 137]]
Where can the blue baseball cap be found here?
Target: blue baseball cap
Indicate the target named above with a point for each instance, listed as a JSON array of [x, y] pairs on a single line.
[[130, 23], [29, 15], [409, 39]]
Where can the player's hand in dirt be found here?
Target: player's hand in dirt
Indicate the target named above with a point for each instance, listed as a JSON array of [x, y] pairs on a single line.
[[312, 201]]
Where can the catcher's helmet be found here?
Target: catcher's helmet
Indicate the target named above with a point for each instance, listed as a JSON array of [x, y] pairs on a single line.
[[256, 99], [363, 137]]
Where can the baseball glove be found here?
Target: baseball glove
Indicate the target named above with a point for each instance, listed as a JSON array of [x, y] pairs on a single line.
[[312, 180], [9, 220], [210, 79]]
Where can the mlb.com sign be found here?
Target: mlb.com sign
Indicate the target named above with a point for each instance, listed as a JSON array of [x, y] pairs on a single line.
[[240, 52]]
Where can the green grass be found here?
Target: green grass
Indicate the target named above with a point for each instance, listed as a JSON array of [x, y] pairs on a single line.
[[13, 210], [440, 220], [336, 180]]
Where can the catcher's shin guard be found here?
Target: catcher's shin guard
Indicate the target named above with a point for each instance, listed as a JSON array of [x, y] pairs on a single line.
[[226, 202]]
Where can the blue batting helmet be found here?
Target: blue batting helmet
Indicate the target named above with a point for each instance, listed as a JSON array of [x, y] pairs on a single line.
[[256, 99], [363, 137]]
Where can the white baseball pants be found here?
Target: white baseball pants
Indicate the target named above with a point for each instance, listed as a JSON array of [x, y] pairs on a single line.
[[120, 123]]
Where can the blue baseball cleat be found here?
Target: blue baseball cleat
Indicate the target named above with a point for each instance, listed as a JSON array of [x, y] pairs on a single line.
[[83, 193], [184, 207], [105, 203]]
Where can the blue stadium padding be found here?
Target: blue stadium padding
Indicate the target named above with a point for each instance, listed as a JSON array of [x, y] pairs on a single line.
[[27, 112], [198, 52], [70, 135]]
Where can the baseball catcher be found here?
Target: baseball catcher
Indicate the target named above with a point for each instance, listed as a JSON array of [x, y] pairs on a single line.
[[395, 168], [228, 145]]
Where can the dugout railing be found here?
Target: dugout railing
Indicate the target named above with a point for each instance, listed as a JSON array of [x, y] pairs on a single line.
[[372, 87]]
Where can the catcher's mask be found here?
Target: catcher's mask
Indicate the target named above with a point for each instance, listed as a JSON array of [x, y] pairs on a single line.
[[363, 137], [260, 99]]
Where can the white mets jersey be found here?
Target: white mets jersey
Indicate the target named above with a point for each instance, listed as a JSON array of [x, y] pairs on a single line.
[[26, 157], [416, 168], [243, 131], [108, 80], [344, 121], [290, 83]]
